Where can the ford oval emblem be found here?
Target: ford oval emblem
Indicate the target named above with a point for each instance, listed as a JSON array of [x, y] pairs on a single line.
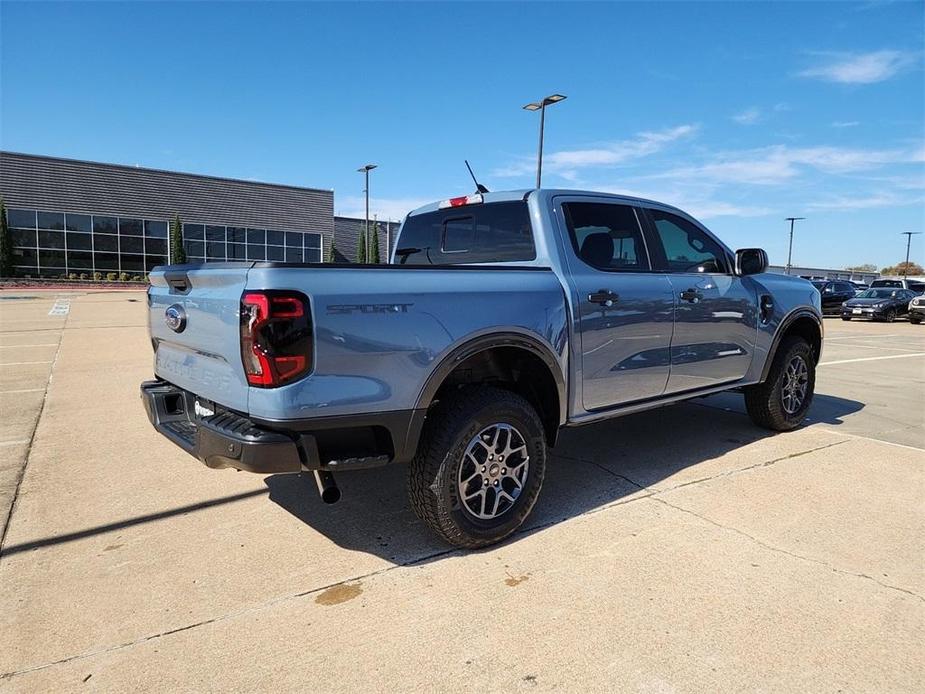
[[175, 318]]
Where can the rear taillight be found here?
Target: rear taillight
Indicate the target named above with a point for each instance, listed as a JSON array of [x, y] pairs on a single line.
[[276, 337]]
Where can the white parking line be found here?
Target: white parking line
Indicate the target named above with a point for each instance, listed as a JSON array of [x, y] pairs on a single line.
[[23, 363], [61, 308], [855, 345], [860, 337], [13, 443], [23, 390], [891, 356], [46, 344]]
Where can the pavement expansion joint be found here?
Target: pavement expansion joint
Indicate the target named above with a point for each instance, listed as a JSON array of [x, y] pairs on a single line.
[[781, 550], [25, 462]]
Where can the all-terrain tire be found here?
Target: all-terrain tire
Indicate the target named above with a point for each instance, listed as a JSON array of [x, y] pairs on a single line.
[[915, 319], [433, 476], [765, 401]]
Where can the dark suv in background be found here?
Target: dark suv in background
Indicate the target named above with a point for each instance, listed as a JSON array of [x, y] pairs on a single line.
[[878, 303], [834, 294]]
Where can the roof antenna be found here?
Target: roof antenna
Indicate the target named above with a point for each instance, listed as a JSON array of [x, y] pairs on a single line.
[[479, 188]]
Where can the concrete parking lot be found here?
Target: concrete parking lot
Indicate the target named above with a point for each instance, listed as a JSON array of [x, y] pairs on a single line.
[[676, 550]]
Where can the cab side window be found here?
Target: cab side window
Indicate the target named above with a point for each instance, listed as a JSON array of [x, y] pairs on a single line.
[[606, 236], [687, 248]]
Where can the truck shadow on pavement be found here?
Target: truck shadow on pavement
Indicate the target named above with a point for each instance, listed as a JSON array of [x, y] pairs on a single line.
[[591, 467]]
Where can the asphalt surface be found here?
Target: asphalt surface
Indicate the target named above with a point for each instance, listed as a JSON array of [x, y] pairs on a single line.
[[681, 549]]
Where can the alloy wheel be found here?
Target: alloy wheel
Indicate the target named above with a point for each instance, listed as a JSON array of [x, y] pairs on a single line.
[[796, 382], [493, 471]]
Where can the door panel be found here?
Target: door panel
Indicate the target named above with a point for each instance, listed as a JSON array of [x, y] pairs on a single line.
[[716, 325], [716, 312], [624, 347], [623, 309]]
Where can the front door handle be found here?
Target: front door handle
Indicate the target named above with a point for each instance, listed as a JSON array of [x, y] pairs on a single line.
[[604, 297], [691, 295]]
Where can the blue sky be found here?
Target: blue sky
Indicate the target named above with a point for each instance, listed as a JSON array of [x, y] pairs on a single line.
[[740, 113]]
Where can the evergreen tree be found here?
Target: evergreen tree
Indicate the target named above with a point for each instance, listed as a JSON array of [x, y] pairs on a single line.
[[177, 254], [374, 245], [330, 256], [361, 245], [6, 244]]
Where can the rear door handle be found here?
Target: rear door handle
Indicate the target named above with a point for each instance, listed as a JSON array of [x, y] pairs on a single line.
[[604, 297], [691, 295]]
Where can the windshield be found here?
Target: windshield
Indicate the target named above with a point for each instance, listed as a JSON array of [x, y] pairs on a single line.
[[818, 285], [876, 294]]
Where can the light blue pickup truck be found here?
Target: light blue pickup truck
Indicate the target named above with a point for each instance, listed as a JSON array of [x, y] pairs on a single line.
[[501, 318]]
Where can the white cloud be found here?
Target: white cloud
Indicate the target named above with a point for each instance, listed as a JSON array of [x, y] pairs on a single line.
[[699, 204], [845, 123], [848, 203], [780, 163], [567, 162], [382, 208], [860, 68], [749, 116]]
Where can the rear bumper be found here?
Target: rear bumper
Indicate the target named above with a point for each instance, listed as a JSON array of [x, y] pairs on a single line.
[[224, 439], [227, 439]]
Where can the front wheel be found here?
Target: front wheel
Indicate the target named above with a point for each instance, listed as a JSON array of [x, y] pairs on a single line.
[[890, 315], [914, 318], [782, 401], [846, 317], [479, 467]]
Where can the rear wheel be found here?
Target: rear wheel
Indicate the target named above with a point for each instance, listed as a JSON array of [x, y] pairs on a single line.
[[782, 401], [479, 467], [846, 317]]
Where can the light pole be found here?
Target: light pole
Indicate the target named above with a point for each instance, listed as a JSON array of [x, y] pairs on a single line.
[[365, 170], [909, 235], [790, 249], [541, 107]]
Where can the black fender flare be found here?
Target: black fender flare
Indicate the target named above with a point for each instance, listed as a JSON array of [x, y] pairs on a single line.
[[490, 341], [786, 322]]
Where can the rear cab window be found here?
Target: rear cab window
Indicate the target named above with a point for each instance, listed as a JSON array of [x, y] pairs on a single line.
[[496, 232]]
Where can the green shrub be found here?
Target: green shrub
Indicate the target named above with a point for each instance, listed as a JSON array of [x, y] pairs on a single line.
[[112, 276], [72, 276], [137, 278], [97, 276], [123, 277], [83, 276]]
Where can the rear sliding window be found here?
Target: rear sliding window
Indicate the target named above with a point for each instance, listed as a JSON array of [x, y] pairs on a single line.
[[496, 232]]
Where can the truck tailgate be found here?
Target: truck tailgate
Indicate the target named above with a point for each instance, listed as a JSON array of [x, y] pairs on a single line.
[[203, 353]]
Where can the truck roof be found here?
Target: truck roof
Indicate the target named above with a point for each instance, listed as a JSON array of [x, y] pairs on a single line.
[[521, 194]]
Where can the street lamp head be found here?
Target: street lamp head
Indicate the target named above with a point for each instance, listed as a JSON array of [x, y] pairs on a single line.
[[546, 101], [793, 219], [367, 167]]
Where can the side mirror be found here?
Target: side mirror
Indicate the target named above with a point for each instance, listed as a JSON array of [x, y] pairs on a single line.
[[751, 261]]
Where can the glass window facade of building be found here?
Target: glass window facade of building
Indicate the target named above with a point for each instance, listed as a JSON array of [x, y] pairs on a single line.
[[60, 243], [205, 243], [52, 244]]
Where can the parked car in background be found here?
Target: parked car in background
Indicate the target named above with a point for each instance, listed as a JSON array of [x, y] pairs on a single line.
[[917, 286], [859, 286], [834, 294], [917, 309], [878, 303]]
